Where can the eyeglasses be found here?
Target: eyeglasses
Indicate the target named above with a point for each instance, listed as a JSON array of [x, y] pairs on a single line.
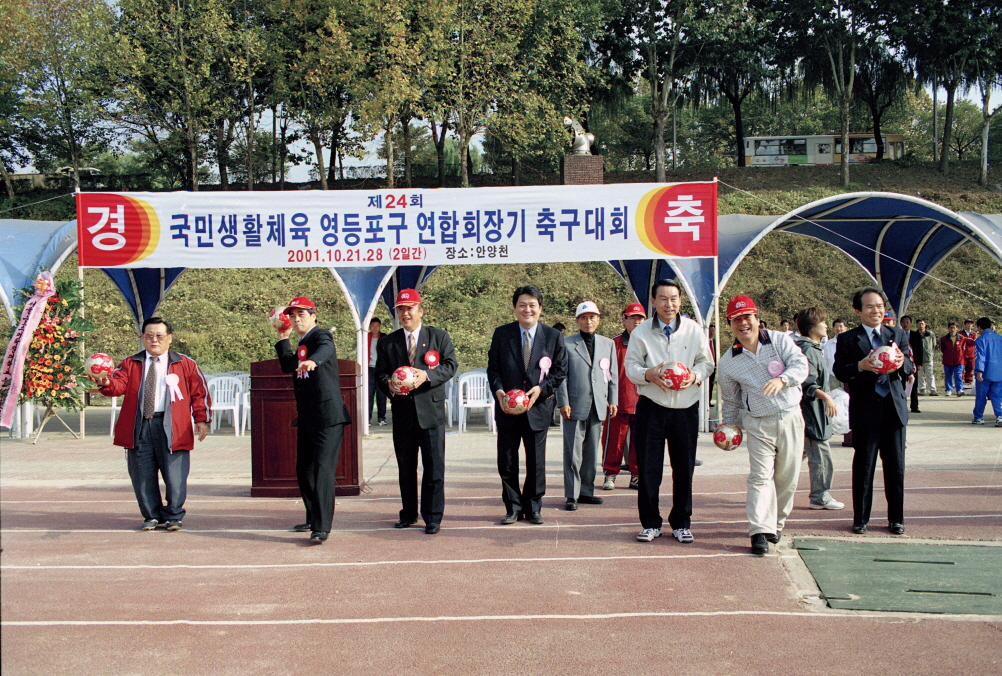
[[155, 337]]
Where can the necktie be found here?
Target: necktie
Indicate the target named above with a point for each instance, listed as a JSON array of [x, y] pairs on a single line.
[[668, 332], [150, 390], [526, 349], [883, 386], [411, 347]]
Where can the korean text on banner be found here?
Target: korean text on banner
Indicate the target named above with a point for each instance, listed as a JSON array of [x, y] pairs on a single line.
[[362, 228]]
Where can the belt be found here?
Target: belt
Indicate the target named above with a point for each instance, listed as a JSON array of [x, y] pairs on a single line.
[[157, 415]]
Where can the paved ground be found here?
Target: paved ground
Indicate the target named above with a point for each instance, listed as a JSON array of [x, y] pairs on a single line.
[[83, 592]]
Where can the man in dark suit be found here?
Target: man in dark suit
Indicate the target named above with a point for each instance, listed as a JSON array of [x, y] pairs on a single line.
[[418, 414], [878, 409], [525, 355], [322, 414]]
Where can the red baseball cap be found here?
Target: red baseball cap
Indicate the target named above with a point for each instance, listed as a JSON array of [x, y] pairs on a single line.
[[408, 298], [740, 305], [301, 303], [634, 309]]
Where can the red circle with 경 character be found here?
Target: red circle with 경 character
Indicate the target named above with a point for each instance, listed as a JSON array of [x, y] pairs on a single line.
[[404, 379], [727, 437], [114, 229], [676, 373], [885, 359], [515, 402], [99, 365]]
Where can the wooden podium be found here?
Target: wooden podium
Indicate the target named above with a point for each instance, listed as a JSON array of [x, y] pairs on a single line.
[[273, 441]]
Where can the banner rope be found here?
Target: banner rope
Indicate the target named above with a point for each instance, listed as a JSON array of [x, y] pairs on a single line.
[[31, 204], [860, 244]]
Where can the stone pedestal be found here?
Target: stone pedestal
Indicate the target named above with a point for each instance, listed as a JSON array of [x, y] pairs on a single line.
[[583, 170]]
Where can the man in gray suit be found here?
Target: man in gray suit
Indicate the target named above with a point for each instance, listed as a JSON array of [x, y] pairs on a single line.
[[588, 395]]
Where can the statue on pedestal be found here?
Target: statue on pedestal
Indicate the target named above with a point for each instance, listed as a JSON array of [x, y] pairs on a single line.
[[582, 139]]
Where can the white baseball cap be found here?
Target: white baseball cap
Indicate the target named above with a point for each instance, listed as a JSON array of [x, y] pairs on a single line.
[[585, 308]]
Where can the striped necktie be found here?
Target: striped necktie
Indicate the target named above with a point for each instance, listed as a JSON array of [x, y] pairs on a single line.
[[411, 348], [526, 350]]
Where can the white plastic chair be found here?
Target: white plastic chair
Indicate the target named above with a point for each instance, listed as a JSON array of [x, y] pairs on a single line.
[[244, 379], [227, 395], [475, 392], [450, 406]]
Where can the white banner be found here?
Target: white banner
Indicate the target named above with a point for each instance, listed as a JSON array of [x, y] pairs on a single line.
[[364, 228]]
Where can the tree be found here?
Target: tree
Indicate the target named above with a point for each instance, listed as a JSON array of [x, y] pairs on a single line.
[[882, 80], [167, 90], [986, 72], [739, 59], [664, 43], [62, 42], [941, 38]]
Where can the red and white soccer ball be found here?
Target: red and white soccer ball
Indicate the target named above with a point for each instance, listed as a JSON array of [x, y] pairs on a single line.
[[885, 359], [676, 373], [99, 365], [279, 320], [403, 380], [515, 402], [727, 437]]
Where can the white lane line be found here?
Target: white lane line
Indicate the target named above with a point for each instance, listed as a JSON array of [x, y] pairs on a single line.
[[519, 529], [355, 564], [827, 614], [618, 494]]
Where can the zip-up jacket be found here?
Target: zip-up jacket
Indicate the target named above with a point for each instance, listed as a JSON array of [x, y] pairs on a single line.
[[742, 375], [649, 347]]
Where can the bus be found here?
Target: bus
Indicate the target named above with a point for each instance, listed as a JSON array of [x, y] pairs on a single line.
[[777, 151]]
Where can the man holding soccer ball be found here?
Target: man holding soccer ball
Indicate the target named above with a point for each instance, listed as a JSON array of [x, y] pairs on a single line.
[[760, 379], [413, 364], [667, 407]]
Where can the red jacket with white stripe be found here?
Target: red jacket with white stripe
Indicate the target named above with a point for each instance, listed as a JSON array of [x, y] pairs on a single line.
[[193, 404]]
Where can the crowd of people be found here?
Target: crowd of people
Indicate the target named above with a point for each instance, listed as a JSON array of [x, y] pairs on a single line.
[[628, 399]]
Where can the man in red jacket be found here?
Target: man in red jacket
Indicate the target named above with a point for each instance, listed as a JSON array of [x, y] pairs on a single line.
[[163, 393], [617, 427], [970, 335]]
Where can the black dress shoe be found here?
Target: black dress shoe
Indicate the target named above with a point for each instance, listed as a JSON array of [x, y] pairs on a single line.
[[759, 544], [774, 539], [432, 528], [897, 528], [915, 410], [571, 505], [535, 518], [301, 528], [405, 523], [318, 537], [509, 519], [859, 528], [589, 500]]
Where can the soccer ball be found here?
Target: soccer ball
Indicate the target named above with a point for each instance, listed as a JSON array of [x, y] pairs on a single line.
[[727, 437], [515, 402], [279, 320], [403, 379], [886, 359], [99, 365], [676, 373]]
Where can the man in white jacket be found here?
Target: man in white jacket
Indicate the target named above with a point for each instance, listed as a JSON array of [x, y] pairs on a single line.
[[666, 414]]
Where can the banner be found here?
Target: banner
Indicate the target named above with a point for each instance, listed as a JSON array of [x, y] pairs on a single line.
[[364, 228]]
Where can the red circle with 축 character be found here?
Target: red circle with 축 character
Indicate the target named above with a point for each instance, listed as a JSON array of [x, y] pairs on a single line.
[[679, 219], [114, 230]]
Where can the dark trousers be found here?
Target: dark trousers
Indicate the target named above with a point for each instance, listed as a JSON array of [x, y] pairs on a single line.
[[376, 398], [317, 451], [408, 440], [679, 427], [915, 389], [151, 457], [886, 438], [528, 500]]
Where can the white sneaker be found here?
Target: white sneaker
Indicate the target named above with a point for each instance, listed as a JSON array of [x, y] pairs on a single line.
[[683, 535], [610, 483], [831, 504], [998, 421], [978, 421], [648, 534]]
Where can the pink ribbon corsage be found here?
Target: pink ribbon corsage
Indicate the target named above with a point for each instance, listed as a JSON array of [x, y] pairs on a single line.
[[175, 390], [544, 367], [432, 359], [604, 364], [776, 368]]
